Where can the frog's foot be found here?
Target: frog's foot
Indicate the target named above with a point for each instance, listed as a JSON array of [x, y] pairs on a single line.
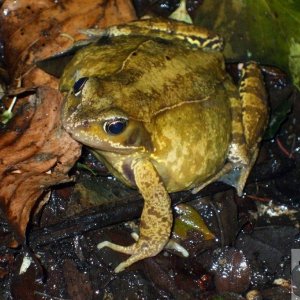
[[226, 169], [173, 245], [138, 251]]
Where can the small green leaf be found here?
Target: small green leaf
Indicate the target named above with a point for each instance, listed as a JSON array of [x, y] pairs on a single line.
[[6, 116]]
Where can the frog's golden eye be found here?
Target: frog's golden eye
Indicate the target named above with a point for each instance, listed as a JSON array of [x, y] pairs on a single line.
[[78, 85], [115, 126]]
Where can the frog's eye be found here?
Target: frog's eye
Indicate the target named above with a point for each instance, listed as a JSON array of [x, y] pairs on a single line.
[[115, 126], [78, 85]]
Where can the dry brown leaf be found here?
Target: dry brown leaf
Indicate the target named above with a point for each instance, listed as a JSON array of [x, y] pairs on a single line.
[[38, 156], [33, 30]]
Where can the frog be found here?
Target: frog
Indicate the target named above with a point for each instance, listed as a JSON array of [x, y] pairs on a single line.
[[153, 100]]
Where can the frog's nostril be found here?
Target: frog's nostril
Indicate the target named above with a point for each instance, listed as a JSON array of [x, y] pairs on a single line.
[[85, 123]]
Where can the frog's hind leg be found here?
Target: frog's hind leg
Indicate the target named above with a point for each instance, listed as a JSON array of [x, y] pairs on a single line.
[[156, 219], [116, 247], [250, 116]]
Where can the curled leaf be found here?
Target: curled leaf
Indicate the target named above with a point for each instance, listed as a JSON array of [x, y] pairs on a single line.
[[189, 219]]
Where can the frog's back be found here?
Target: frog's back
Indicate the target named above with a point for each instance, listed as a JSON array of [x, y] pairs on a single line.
[[148, 76]]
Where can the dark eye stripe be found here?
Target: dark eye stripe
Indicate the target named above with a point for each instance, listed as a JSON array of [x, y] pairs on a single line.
[[78, 85], [116, 126]]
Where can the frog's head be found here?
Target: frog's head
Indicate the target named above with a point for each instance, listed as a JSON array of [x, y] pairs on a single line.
[[91, 117]]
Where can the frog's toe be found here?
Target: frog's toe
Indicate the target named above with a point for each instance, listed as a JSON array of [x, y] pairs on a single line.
[[135, 236], [118, 248], [125, 264], [103, 244], [173, 245], [121, 267]]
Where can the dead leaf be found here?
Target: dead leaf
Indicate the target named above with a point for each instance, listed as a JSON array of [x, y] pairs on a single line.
[[34, 30], [34, 157]]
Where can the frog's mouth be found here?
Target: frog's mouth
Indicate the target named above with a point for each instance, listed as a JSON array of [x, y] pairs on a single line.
[[102, 145]]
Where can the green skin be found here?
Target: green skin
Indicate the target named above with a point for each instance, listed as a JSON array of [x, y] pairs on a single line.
[[187, 123]]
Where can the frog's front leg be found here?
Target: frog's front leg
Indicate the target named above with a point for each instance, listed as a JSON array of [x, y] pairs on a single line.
[[250, 116], [156, 219]]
